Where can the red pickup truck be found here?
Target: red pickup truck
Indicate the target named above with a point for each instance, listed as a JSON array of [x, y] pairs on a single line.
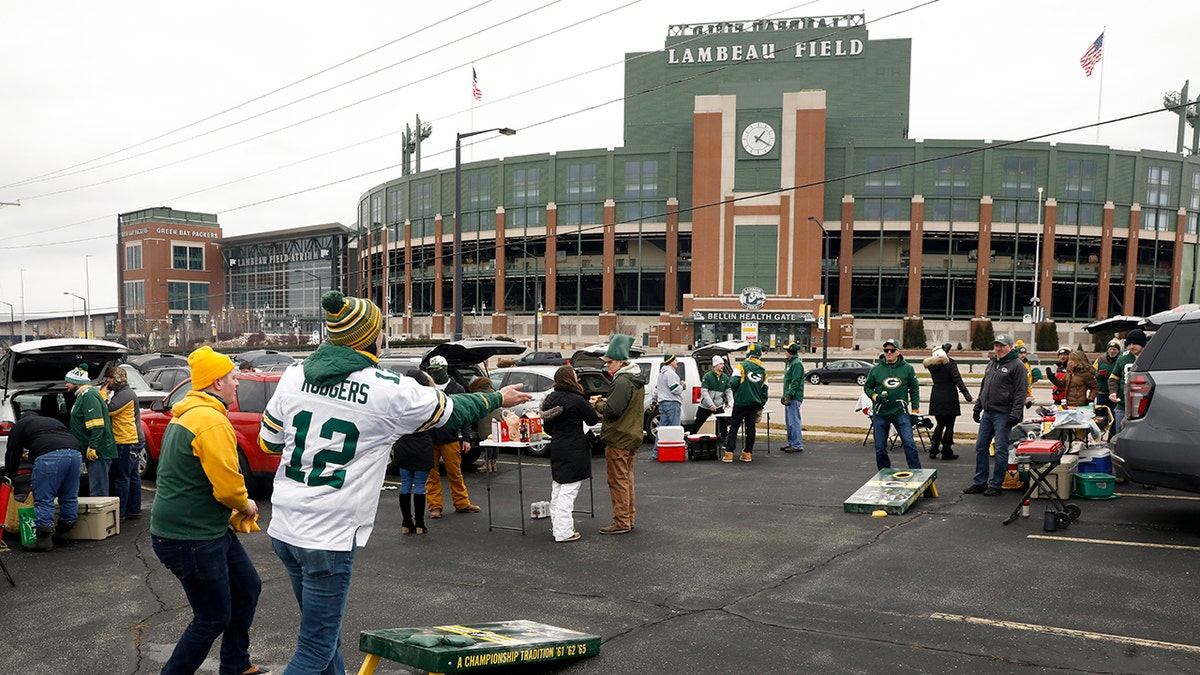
[[245, 412]]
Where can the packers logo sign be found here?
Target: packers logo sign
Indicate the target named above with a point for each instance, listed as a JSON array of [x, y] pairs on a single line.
[[753, 297]]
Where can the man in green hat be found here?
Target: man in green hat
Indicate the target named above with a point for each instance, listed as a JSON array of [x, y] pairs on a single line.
[[749, 384], [621, 431], [793, 395]]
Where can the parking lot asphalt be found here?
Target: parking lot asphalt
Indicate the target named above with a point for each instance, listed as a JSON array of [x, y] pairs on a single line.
[[731, 568]]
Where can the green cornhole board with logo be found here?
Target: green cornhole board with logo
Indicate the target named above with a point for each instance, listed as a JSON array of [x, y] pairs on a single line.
[[459, 648], [891, 490]]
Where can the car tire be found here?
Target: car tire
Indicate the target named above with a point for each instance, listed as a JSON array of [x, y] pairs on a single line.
[[147, 467], [543, 451], [650, 426], [861, 380], [254, 487], [814, 378]]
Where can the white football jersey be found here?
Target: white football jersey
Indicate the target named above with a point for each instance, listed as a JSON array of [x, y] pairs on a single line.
[[335, 441]]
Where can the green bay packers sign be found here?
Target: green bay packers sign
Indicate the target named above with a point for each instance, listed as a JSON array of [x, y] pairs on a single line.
[[457, 648]]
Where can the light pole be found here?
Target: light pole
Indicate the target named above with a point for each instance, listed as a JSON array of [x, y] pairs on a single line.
[[11, 321], [1037, 273], [458, 315], [824, 292], [87, 290], [22, 304], [85, 307]]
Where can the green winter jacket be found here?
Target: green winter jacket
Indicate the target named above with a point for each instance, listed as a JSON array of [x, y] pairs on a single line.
[[624, 409], [793, 379], [893, 379], [91, 424], [1116, 379], [749, 383]]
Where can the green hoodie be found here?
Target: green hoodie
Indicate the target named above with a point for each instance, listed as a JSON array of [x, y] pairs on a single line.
[[893, 379], [749, 383], [331, 364]]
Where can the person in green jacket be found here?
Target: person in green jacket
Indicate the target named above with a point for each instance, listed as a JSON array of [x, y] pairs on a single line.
[[1104, 367], [749, 384], [889, 383], [793, 395], [621, 431], [714, 393], [1135, 342], [92, 427]]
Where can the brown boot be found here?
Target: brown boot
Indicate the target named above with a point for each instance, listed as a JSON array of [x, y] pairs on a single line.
[[727, 457], [745, 457]]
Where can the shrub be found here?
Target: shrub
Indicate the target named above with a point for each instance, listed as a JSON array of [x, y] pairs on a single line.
[[914, 334], [983, 336], [1047, 337]]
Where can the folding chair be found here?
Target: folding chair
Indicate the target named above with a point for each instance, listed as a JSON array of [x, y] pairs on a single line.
[[5, 493]]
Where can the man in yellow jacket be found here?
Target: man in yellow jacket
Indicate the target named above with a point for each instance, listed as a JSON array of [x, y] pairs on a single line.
[[200, 490]]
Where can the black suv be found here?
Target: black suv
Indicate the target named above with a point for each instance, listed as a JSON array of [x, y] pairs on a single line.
[[1159, 441]]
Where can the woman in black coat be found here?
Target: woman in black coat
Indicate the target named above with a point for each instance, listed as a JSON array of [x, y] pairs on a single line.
[[943, 400], [414, 457], [564, 412]]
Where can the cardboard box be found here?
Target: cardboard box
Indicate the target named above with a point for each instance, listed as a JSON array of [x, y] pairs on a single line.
[[99, 518]]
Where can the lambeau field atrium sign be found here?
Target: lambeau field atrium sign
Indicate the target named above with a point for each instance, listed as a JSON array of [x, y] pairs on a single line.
[[833, 44]]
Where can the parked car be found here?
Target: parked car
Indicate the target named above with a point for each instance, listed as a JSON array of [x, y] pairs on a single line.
[[845, 370], [147, 362], [245, 412], [261, 358], [542, 359], [146, 392], [32, 377], [1158, 441], [168, 377]]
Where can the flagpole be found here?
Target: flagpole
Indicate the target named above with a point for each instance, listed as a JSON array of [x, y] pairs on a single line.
[[471, 148], [1100, 96]]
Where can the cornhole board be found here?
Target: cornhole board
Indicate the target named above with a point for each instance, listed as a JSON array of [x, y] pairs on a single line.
[[890, 492], [502, 643]]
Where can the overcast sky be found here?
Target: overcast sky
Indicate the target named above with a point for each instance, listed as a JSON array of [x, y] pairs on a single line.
[[133, 104]]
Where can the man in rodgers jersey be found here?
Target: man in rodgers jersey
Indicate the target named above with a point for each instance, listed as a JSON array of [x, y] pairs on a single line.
[[334, 417]]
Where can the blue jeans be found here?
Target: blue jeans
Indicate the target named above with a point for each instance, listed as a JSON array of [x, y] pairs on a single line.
[[119, 481], [993, 430], [56, 474], [222, 587], [98, 477], [791, 416], [903, 425], [1118, 418], [321, 582], [413, 481]]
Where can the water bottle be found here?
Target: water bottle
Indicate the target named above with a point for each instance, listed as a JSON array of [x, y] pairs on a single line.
[[1051, 521], [1025, 509]]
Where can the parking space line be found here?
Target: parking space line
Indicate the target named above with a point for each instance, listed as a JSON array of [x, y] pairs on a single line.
[[1111, 542], [1067, 632], [1144, 496]]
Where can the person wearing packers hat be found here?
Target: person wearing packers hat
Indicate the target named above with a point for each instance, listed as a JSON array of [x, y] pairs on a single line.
[[668, 395], [200, 492], [793, 396], [1135, 342], [449, 443], [333, 421], [621, 430], [749, 384], [998, 408], [892, 385], [1059, 374], [714, 393], [91, 425], [1104, 367]]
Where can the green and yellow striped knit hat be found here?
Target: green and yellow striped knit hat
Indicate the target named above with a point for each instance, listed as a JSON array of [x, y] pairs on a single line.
[[351, 322]]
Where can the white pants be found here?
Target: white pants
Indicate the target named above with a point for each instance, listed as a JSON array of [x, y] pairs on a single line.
[[562, 503]]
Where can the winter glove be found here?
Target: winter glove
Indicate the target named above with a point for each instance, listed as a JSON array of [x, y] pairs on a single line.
[[968, 397], [913, 419], [977, 415], [1013, 421], [92, 455], [786, 399]]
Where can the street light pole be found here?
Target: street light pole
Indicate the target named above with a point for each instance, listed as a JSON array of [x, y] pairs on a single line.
[[85, 306], [11, 321], [458, 293], [824, 292], [22, 304], [87, 290], [1037, 274]]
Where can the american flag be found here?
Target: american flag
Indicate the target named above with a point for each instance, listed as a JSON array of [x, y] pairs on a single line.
[[475, 91], [1092, 56]]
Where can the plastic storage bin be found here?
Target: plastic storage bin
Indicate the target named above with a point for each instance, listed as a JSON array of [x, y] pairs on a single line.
[[702, 446], [1094, 485]]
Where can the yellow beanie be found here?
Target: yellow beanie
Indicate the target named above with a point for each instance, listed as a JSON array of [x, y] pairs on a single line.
[[208, 367]]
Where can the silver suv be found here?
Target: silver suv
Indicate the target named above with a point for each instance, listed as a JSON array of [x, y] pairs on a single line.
[[32, 377], [1159, 442]]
